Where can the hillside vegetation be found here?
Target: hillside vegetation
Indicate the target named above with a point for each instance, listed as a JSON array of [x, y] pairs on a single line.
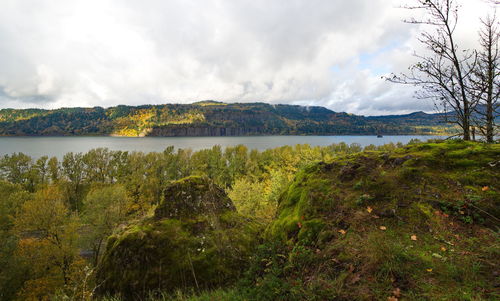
[[415, 222], [419, 223], [211, 118]]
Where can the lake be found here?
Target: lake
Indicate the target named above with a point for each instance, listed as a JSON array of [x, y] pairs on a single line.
[[58, 146]]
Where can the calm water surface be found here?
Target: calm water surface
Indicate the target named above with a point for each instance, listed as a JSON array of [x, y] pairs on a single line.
[[58, 146]]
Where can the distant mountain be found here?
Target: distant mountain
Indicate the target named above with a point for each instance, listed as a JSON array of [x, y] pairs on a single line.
[[211, 118]]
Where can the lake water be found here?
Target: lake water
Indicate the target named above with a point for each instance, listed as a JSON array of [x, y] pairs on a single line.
[[58, 146]]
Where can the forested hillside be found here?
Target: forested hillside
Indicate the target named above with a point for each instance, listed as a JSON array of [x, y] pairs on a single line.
[[293, 223], [211, 118]]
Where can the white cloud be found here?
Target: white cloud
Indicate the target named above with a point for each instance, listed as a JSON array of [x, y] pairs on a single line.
[[109, 52]]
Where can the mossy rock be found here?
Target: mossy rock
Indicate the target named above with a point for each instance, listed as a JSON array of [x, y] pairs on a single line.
[[192, 196], [195, 240]]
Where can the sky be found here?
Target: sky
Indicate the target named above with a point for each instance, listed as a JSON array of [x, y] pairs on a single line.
[[331, 53]]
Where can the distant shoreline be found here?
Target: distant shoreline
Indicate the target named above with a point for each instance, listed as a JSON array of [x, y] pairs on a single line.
[[264, 135]]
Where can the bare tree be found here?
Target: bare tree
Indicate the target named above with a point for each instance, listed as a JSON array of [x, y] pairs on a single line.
[[444, 72], [487, 78]]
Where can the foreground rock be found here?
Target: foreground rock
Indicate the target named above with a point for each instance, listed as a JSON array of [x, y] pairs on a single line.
[[195, 239]]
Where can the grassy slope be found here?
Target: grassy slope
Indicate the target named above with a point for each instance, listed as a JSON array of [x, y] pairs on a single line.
[[420, 223]]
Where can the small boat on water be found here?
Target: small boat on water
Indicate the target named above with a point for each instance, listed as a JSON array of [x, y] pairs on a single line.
[[379, 136]]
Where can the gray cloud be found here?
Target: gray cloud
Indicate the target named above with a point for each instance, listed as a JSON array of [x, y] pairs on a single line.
[[91, 52]]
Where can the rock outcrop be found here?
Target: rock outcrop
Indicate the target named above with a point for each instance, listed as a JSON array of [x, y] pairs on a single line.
[[195, 239], [206, 131]]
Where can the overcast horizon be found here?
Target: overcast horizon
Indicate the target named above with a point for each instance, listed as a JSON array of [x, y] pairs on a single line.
[[328, 53]]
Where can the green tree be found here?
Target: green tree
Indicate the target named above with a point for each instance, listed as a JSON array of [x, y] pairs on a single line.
[[48, 244], [73, 168], [41, 170], [104, 209], [237, 161], [12, 271], [97, 165], [53, 169], [251, 198], [17, 169]]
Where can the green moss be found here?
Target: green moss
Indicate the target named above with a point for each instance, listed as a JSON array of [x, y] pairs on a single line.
[[303, 199], [193, 195], [310, 230]]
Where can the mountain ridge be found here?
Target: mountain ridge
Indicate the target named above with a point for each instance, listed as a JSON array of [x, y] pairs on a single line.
[[211, 118]]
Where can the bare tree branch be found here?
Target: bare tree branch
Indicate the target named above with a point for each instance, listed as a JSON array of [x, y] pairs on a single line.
[[485, 83], [445, 73]]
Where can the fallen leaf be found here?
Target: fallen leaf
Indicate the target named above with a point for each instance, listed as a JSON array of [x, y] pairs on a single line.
[[461, 212], [392, 299], [343, 232], [443, 249], [413, 237], [369, 209], [351, 268], [485, 188], [383, 228], [396, 292], [355, 278], [429, 270]]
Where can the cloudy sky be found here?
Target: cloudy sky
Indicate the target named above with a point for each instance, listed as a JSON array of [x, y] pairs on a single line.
[[66, 53]]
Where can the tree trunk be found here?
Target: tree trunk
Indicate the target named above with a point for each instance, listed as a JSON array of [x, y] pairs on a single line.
[[489, 123], [489, 96], [466, 123]]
